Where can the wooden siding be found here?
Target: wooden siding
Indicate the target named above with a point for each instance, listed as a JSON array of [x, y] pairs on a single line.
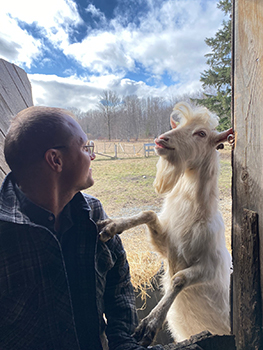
[[247, 189], [15, 95]]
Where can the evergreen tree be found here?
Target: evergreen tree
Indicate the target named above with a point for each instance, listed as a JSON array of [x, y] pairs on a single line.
[[218, 77]]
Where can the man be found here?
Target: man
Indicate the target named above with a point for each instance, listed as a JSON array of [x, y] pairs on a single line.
[[61, 288]]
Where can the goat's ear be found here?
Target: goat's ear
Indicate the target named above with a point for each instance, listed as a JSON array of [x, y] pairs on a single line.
[[223, 136], [173, 123]]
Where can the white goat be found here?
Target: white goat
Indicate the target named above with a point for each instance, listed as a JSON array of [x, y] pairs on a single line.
[[189, 231]]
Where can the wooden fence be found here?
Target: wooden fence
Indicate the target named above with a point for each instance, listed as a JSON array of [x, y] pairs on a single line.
[[15, 95], [117, 149]]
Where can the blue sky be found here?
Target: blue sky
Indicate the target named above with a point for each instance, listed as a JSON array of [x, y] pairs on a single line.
[[73, 50]]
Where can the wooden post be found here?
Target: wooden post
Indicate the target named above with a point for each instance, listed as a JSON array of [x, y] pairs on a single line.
[[248, 294], [247, 189]]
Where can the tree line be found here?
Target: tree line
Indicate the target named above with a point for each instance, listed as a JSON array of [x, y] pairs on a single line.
[[129, 117]]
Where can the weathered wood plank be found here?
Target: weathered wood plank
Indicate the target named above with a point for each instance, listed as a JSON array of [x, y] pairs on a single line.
[[21, 81], [205, 341], [4, 169], [27, 85], [9, 91], [15, 95], [247, 189], [5, 115], [248, 295]]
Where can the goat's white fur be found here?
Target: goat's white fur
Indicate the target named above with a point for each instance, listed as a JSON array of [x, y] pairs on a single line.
[[189, 231]]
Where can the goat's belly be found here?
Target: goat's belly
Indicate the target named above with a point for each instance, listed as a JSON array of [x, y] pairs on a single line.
[[199, 308]]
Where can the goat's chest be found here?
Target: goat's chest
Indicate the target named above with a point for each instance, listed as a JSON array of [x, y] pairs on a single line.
[[184, 240]]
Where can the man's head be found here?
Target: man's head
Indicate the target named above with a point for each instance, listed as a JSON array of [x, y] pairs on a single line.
[[39, 136]]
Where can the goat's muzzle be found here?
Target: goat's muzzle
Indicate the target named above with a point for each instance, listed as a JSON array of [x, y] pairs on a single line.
[[161, 143]]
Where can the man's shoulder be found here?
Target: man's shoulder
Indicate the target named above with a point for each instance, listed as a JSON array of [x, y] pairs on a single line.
[[93, 202], [96, 210], [90, 199]]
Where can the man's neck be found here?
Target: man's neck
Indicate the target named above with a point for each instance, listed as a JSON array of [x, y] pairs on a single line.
[[47, 198]]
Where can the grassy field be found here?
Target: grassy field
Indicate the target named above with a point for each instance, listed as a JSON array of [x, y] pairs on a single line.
[[125, 187]]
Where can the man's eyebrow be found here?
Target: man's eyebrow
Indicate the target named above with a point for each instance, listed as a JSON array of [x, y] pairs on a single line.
[[82, 141]]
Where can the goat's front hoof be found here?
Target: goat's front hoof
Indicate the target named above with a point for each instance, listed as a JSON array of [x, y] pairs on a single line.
[[104, 236], [107, 229], [146, 331]]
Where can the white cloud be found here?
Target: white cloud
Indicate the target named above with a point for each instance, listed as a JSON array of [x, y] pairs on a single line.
[[16, 44], [83, 93], [172, 40], [48, 13], [53, 19], [54, 91], [101, 52], [96, 12], [168, 39]]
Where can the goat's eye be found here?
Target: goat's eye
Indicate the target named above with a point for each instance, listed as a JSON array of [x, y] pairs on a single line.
[[201, 133]]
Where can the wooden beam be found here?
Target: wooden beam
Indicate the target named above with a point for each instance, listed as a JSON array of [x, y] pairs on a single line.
[[247, 182], [205, 341], [247, 315]]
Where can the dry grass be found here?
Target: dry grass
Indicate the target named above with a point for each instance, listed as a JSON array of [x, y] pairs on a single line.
[[144, 263], [125, 188]]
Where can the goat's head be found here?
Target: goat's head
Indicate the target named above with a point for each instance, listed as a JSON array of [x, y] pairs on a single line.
[[192, 140]]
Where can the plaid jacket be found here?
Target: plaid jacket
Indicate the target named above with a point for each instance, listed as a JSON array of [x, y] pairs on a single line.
[[35, 302]]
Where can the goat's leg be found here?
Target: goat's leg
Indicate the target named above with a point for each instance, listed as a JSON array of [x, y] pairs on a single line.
[[151, 324], [110, 227]]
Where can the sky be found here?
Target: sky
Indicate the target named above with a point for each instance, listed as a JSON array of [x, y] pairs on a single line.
[[72, 50]]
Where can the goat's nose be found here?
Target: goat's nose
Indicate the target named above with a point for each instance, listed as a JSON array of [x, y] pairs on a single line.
[[164, 137]]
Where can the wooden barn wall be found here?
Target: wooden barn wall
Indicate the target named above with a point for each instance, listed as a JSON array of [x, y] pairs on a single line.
[[15, 95], [247, 189]]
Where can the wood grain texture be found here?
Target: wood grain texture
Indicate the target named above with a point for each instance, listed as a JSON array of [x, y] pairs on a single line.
[[9, 90], [15, 95], [205, 341], [248, 293], [247, 189], [20, 80]]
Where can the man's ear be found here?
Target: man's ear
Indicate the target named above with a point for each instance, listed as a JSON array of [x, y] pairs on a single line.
[[54, 160]]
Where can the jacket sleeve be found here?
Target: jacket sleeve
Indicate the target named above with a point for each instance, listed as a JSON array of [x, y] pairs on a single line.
[[119, 301]]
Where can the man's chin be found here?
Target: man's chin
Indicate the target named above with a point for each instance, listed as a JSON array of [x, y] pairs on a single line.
[[90, 182]]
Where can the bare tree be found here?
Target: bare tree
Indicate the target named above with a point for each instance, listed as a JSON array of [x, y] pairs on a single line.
[[131, 116], [108, 105], [81, 117]]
